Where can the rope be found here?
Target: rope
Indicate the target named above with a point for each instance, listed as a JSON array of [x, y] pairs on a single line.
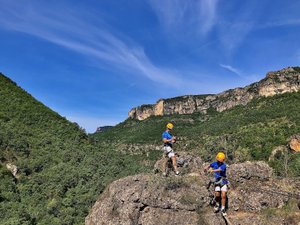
[[227, 220]]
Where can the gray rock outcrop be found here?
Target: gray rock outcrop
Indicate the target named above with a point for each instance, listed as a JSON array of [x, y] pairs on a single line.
[[254, 198], [282, 81]]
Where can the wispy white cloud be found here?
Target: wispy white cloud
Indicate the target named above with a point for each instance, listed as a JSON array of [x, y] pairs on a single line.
[[189, 15], [71, 31], [246, 77], [208, 14], [233, 34], [290, 22], [231, 69], [234, 29], [170, 12]]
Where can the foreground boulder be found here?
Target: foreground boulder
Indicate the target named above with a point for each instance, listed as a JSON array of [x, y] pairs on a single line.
[[254, 198]]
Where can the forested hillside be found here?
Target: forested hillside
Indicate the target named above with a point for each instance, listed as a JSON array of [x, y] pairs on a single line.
[[62, 170], [248, 132], [60, 173]]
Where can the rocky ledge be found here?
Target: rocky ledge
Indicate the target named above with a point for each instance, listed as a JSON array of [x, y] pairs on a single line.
[[255, 197], [279, 82]]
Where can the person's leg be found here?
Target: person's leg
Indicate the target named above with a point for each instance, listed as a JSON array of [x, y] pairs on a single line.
[[218, 198], [174, 162], [223, 201], [164, 165], [224, 190], [167, 149]]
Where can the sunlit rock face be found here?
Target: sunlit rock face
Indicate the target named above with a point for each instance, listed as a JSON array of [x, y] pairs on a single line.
[[279, 82]]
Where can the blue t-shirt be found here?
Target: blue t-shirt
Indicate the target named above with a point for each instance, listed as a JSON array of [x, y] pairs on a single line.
[[222, 173], [168, 136]]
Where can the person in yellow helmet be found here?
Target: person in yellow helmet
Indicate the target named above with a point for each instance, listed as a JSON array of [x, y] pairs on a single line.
[[221, 183], [169, 140]]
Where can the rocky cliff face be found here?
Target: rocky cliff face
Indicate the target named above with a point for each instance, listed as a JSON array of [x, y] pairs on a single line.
[[279, 82], [255, 197]]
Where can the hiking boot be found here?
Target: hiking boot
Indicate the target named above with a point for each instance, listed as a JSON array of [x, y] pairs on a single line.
[[223, 211], [216, 208]]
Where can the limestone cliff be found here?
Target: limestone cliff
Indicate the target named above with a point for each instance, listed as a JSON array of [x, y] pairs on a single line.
[[279, 82], [255, 197]]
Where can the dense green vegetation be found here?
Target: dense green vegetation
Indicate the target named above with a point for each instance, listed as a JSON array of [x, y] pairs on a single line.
[[248, 132], [62, 170], [61, 173]]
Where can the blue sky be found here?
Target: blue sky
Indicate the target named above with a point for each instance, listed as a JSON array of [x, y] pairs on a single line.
[[92, 61]]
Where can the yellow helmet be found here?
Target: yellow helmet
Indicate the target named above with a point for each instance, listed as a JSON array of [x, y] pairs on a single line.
[[220, 157], [170, 126]]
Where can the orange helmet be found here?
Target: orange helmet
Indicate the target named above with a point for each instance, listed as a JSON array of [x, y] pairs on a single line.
[[170, 126], [220, 157]]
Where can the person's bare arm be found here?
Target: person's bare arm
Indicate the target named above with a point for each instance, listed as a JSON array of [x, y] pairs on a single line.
[[167, 140], [207, 168]]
